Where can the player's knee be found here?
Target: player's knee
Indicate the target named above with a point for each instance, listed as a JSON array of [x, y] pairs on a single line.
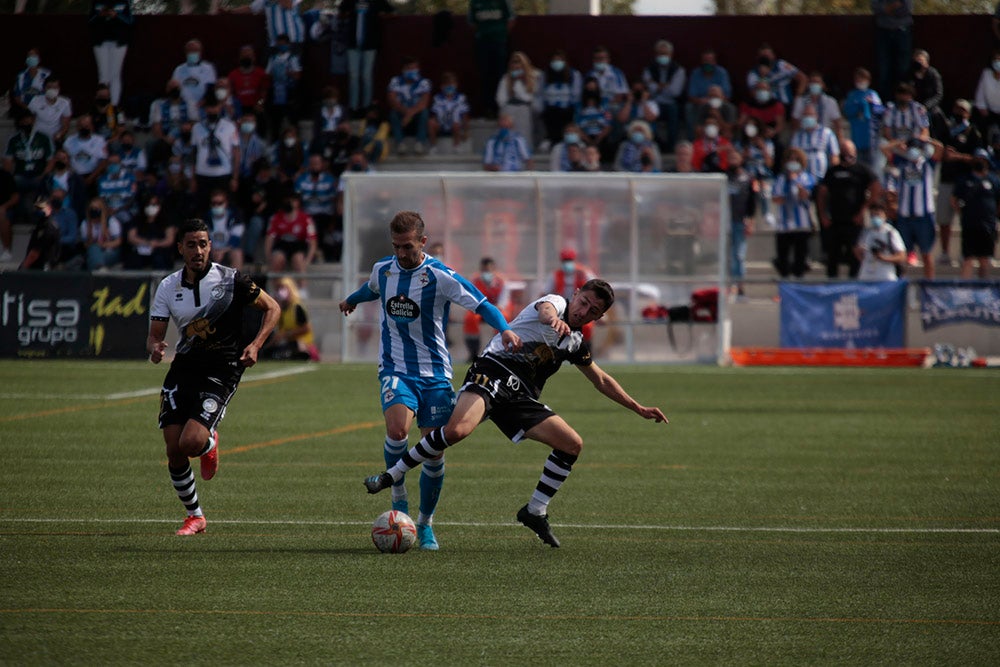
[[573, 445], [191, 445], [457, 432]]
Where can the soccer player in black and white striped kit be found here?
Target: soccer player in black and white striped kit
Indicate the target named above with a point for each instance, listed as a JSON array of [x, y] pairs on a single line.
[[206, 302], [504, 385]]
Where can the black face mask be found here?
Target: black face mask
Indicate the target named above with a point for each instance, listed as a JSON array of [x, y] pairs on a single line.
[[94, 213], [127, 147], [102, 102], [186, 136], [765, 61], [84, 134], [287, 207], [56, 203], [26, 129], [246, 63], [357, 167], [980, 166], [59, 165], [174, 94], [212, 117]]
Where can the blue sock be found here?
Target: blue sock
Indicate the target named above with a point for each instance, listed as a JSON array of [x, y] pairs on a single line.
[[431, 481]]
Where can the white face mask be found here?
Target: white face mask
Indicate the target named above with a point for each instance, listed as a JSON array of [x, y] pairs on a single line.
[[221, 94], [715, 102], [793, 166], [52, 93], [877, 221], [289, 141], [711, 131], [152, 211], [750, 131]]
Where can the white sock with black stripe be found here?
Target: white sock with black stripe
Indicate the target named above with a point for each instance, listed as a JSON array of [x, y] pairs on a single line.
[[431, 446], [183, 481], [556, 470]]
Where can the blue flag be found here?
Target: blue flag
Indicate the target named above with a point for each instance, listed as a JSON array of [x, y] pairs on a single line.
[[843, 315]]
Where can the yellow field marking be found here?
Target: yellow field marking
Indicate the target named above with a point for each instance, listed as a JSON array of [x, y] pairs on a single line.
[[518, 617], [302, 436]]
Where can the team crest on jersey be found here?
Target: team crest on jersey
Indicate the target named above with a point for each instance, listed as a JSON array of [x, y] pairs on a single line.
[[218, 291], [424, 279], [201, 328], [402, 309]]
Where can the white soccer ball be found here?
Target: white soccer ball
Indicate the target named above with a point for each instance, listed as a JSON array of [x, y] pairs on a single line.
[[394, 532]]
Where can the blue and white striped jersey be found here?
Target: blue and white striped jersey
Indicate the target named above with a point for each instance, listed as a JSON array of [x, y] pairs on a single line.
[[563, 94], [793, 212], [780, 76], [450, 111], [117, 190], [593, 120], [915, 183], [820, 145], [906, 121], [281, 21], [509, 152], [409, 92], [317, 193], [411, 321], [611, 81]]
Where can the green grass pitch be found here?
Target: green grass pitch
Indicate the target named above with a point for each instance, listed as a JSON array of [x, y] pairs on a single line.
[[784, 516]]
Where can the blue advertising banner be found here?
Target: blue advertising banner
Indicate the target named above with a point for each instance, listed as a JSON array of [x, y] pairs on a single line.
[[946, 302], [843, 315]]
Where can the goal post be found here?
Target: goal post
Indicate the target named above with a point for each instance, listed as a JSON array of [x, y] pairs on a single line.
[[655, 237]]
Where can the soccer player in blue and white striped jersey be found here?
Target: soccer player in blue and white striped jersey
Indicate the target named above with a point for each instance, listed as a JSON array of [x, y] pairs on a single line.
[[912, 163], [414, 291], [792, 193]]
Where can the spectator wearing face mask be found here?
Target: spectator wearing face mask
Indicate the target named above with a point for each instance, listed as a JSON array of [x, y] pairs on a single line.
[[977, 198], [317, 190], [43, 245], [763, 106], [711, 149], [373, 134], [110, 24], [133, 157], [863, 111], [194, 75], [594, 120], [639, 153], [282, 18], [562, 86], [252, 146], [29, 83], [757, 153], [409, 96], [70, 250], [717, 106], [928, 89], [913, 163], [217, 153], [249, 84], [567, 279], [166, 116], [611, 81], [449, 114], [709, 73], [818, 142], [841, 199], [285, 71], [26, 157], [226, 229], [52, 112], [329, 114], [559, 155], [827, 108], [784, 79], [519, 94], [88, 152], [879, 249], [987, 98], [150, 238], [101, 235], [639, 106], [61, 177], [792, 193], [905, 117], [105, 115], [665, 80], [507, 149], [291, 241], [961, 140]]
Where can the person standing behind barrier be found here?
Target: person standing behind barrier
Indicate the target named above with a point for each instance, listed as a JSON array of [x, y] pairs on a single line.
[[282, 18], [101, 235], [665, 80], [913, 162], [818, 143], [977, 198], [492, 21], [841, 199], [863, 110], [409, 101], [784, 79], [519, 95], [562, 87], [195, 76], [742, 206], [879, 249], [792, 193], [29, 83], [494, 288], [217, 153], [961, 139], [43, 245], [110, 33]]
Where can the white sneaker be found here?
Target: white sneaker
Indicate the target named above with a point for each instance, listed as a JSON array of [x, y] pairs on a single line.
[[544, 146], [770, 220], [419, 148], [5, 255], [401, 149]]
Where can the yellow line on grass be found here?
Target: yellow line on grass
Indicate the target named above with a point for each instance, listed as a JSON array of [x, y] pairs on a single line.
[[302, 436], [517, 617]]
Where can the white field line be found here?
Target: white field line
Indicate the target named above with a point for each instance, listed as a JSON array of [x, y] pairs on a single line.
[[151, 391], [588, 526]]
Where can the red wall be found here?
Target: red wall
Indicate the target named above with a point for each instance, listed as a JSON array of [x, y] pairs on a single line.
[[833, 44]]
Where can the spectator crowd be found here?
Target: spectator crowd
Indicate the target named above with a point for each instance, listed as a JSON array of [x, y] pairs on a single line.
[[802, 152]]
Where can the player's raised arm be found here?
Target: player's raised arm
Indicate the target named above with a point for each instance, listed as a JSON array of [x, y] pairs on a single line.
[[608, 386], [362, 294], [548, 315]]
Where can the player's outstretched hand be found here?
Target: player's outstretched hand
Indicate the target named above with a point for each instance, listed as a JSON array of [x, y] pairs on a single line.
[[560, 326], [156, 356], [249, 357], [653, 413], [511, 341], [346, 308]]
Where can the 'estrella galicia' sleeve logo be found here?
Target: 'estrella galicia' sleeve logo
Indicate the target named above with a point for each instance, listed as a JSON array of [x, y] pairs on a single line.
[[402, 309]]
